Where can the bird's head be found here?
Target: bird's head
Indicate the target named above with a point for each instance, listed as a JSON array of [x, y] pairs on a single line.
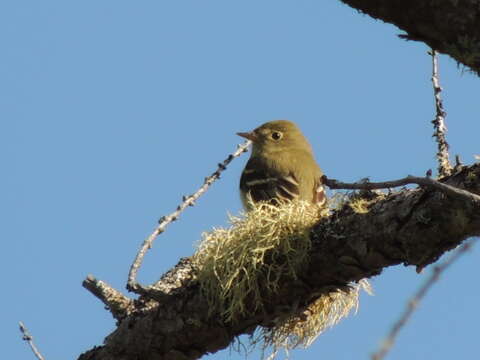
[[276, 136]]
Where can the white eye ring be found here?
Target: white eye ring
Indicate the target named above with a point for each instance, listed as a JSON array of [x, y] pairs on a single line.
[[276, 135]]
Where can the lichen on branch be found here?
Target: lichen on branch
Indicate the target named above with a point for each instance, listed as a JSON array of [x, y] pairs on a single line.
[[241, 266]]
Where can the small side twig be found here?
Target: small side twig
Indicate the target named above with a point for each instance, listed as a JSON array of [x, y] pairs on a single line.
[[118, 304], [440, 129], [458, 164], [132, 283], [414, 301], [29, 339], [422, 181]]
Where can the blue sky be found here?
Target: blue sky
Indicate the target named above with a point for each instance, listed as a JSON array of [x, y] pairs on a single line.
[[112, 110]]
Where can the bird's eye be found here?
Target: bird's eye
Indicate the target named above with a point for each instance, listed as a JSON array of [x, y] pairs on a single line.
[[276, 135]]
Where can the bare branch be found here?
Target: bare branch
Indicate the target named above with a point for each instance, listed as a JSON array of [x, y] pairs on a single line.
[[132, 283], [415, 300], [422, 181], [28, 338], [444, 167], [118, 304]]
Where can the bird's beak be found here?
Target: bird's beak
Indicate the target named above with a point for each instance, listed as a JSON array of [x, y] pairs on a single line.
[[248, 135]]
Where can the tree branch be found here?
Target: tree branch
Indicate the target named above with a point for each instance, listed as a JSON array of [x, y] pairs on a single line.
[[440, 129], [450, 27], [132, 283], [29, 339], [412, 226], [425, 181]]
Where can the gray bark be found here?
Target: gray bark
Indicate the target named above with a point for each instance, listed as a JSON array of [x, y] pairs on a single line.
[[411, 227]]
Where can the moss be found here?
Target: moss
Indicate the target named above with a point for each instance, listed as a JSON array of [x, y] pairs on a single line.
[[244, 264], [301, 329], [471, 177], [359, 205], [240, 263]]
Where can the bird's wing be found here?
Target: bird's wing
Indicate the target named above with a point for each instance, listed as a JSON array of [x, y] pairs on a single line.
[[263, 185]]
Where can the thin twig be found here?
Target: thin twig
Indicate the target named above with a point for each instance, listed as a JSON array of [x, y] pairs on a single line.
[[132, 284], [414, 301], [444, 167], [28, 338], [422, 181]]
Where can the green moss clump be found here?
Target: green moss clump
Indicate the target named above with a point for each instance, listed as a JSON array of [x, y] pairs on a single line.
[[243, 264]]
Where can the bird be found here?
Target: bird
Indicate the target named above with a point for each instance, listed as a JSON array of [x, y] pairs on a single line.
[[282, 167]]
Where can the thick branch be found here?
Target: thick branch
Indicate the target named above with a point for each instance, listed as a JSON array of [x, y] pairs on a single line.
[[413, 227], [451, 27], [118, 304]]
